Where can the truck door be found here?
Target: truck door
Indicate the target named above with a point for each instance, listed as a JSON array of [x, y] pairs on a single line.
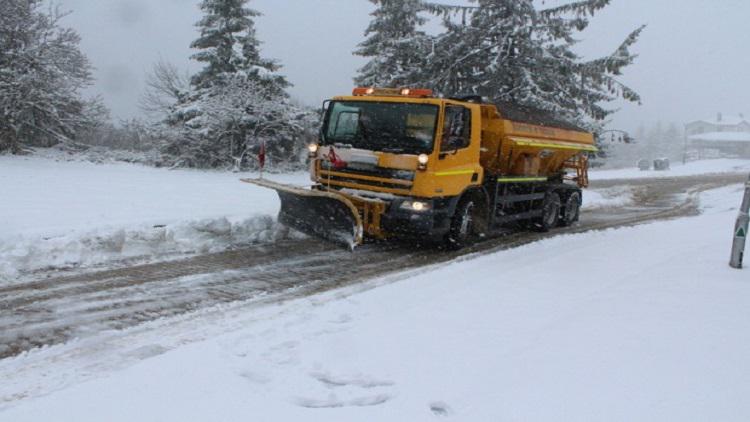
[[458, 162]]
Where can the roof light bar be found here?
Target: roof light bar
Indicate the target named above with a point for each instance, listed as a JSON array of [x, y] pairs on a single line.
[[392, 92]]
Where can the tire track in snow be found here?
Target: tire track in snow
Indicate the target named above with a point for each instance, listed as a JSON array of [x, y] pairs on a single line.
[[55, 310]]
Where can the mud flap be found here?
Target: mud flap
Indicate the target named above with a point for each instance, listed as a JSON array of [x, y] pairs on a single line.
[[325, 215]]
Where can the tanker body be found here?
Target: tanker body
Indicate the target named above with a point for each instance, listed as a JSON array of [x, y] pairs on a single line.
[[400, 163]]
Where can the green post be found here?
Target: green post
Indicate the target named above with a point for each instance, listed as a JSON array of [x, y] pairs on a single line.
[[740, 230]]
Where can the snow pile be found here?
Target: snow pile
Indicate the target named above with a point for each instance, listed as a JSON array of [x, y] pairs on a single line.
[[607, 198], [24, 254], [724, 165], [58, 211], [634, 324]]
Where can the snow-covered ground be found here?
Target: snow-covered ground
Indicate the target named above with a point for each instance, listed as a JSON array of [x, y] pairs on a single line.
[[58, 211], [64, 213], [619, 196], [720, 165], [645, 323]]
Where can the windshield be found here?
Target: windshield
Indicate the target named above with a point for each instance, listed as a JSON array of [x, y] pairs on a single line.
[[387, 127]]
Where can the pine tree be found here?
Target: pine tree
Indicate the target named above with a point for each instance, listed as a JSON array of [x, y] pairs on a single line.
[[228, 45], [42, 74], [237, 101], [511, 51], [395, 46]]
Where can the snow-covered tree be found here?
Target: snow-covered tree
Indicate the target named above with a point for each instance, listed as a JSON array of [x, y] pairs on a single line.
[[236, 101], [514, 51], [395, 45], [165, 86], [42, 73], [234, 120], [655, 139], [228, 45], [674, 142]]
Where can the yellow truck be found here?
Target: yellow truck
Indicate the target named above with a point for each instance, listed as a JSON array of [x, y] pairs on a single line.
[[402, 163]]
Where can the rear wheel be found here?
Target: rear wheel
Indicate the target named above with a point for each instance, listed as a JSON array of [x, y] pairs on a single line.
[[462, 225], [550, 212], [572, 210]]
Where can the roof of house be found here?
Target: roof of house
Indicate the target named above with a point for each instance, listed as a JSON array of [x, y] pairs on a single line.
[[728, 120], [722, 137]]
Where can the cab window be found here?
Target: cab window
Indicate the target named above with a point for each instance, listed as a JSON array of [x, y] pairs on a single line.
[[456, 128]]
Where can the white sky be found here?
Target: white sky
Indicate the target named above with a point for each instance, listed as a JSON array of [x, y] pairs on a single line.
[[694, 55]]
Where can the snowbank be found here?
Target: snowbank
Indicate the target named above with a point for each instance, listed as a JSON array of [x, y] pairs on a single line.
[[594, 199], [141, 242], [723, 165], [646, 323], [59, 213]]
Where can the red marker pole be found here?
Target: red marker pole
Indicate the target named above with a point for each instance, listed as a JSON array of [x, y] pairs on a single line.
[[262, 157]]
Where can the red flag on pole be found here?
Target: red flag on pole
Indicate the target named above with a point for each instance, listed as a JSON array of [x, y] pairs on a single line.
[[262, 155]]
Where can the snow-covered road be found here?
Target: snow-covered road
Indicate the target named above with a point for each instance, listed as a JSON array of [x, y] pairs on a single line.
[[279, 330], [59, 212], [56, 309], [641, 323]]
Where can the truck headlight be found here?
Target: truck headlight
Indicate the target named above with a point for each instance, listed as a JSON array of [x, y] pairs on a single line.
[[422, 160], [313, 148], [417, 206]]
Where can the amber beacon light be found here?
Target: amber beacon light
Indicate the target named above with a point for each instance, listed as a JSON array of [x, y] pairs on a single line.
[[392, 92]]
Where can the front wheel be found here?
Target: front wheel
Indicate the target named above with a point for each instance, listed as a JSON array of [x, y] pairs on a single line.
[[462, 226]]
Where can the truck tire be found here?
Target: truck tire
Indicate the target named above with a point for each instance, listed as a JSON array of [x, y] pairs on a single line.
[[462, 225], [572, 210], [550, 212]]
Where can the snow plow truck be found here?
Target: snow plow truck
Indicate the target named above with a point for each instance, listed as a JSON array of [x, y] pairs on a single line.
[[404, 164]]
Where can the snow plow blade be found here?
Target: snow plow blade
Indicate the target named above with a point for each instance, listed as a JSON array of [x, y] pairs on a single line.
[[325, 215]]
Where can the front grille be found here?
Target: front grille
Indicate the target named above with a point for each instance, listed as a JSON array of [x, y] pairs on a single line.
[[363, 182], [371, 171]]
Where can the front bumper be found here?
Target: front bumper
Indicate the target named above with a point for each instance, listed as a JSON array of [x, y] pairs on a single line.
[[431, 223]]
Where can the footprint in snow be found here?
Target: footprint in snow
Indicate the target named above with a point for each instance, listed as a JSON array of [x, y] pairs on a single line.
[[255, 377], [283, 353], [362, 382], [334, 402], [440, 409], [342, 319], [351, 387], [145, 352]]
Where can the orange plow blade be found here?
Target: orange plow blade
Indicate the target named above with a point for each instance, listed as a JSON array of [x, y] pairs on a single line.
[[325, 215]]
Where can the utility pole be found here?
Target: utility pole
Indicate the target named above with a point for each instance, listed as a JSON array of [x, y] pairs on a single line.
[[740, 230]]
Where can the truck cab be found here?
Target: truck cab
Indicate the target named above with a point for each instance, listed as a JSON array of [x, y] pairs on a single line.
[[404, 147]]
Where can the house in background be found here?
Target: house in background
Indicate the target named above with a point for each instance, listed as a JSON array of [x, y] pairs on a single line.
[[721, 136]]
